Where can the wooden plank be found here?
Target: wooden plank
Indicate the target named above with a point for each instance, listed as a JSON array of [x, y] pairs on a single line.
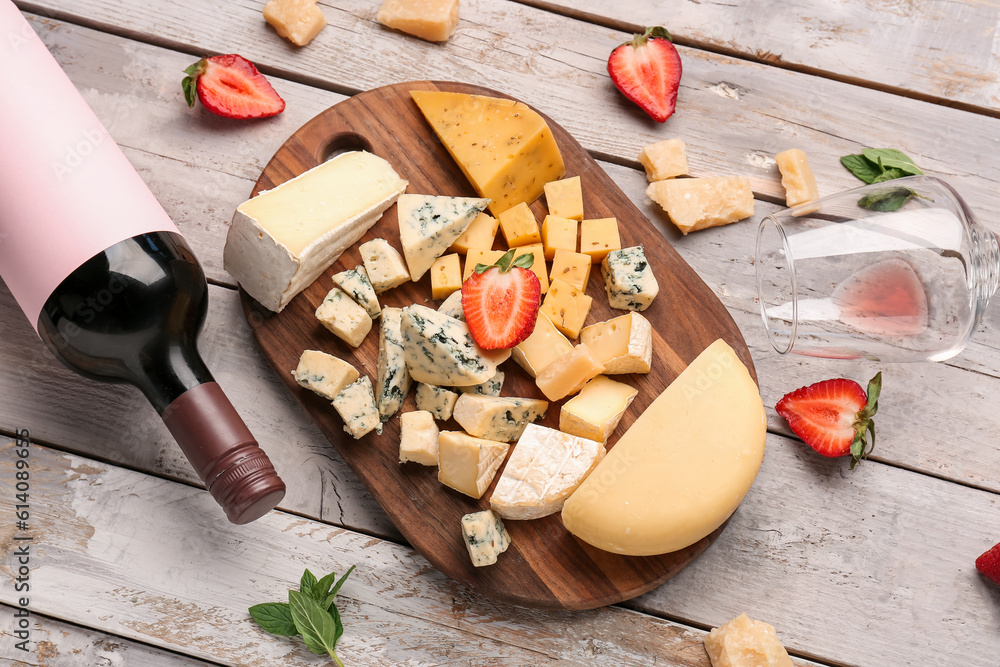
[[941, 49], [110, 545], [55, 643]]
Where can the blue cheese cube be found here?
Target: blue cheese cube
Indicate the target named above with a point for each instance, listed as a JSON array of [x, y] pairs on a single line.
[[324, 373], [418, 438], [393, 379], [628, 279], [491, 387], [440, 350], [485, 537], [355, 282], [356, 405], [452, 306], [495, 417], [436, 400], [383, 264], [344, 318]]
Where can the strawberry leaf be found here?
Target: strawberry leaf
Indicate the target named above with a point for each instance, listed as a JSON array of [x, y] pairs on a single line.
[[504, 262], [190, 82], [874, 389], [524, 261]]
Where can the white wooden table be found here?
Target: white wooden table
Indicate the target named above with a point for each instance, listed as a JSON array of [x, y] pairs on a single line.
[[133, 565]]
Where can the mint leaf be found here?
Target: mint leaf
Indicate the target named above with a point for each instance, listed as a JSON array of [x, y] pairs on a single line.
[[861, 167], [317, 627], [889, 199], [275, 617], [336, 589], [322, 588], [308, 582], [890, 174], [890, 158]]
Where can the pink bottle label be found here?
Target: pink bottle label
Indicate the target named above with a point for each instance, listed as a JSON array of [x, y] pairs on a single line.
[[67, 192]]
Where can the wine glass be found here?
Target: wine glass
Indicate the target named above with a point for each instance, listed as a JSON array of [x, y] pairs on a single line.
[[894, 271]]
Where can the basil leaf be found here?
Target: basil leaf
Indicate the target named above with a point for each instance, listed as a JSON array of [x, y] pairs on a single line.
[[890, 158], [890, 199], [861, 167], [525, 261], [275, 617], [316, 626], [890, 174], [307, 582]]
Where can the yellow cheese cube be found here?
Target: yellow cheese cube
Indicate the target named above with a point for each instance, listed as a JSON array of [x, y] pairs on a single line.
[[623, 344], [538, 266], [519, 226], [744, 642], [432, 20], [298, 21], [594, 413], [479, 234], [446, 276], [542, 347], [558, 233], [478, 256], [565, 198], [697, 203], [571, 267], [796, 177], [569, 373], [567, 307], [599, 237], [664, 159], [503, 147]]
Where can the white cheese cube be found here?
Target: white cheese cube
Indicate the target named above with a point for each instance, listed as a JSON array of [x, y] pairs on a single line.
[[628, 279], [491, 387], [440, 350], [356, 405], [355, 282], [497, 417], [485, 537], [343, 317], [324, 373], [418, 438], [468, 464], [594, 413], [383, 264], [438, 401], [623, 344], [282, 239], [393, 379], [428, 225], [545, 468]]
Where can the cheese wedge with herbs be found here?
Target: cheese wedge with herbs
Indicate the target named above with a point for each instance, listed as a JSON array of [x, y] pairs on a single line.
[[503, 147], [282, 239], [428, 225], [682, 467]]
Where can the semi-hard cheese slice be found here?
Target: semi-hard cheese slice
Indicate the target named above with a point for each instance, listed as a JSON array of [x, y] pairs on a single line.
[[744, 642], [623, 344], [682, 467], [428, 225], [595, 412], [542, 347], [503, 147], [697, 203], [282, 239], [546, 467], [468, 464], [439, 350], [497, 417], [432, 20]]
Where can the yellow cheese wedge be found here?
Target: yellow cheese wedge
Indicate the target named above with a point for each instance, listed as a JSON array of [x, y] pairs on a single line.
[[796, 177], [697, 203], [477, 256], [503, 147], [567, 374], [623, 344], [542, 347], [468, 464], [744, 642], [682, 467], [566, 306], [537, 265], [432, 20], [594, 413]]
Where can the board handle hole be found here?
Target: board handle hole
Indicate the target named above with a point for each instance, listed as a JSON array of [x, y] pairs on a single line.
[[345, 143]]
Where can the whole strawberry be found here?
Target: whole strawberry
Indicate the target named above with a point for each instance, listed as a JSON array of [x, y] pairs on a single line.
[[988, 564], [647, 70], [834, 417], [230, 86], [500, 301]]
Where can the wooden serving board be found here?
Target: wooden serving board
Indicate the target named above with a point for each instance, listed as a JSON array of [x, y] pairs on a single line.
[[545, 566]]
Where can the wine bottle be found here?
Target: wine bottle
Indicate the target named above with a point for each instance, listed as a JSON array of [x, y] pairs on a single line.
[[103, 274]]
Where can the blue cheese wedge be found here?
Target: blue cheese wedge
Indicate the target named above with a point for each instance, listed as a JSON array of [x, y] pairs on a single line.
[[356, 406], [324, 373], [491, 387], [343, 317], [428, 225], [393, 379], [485, 537], [383, 264], [355, 282], [418, 438], [438, 401], [497, 417], [546, 467], [628, 279], [283, 239], [439, 350], [452, 306], [468, 464]]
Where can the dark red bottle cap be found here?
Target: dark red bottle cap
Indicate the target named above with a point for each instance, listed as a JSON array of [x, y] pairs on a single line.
[[224, 453]]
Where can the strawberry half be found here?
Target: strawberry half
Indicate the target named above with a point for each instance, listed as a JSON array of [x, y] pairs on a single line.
[[988, 564], [230, 86], [833, 416], [500, 301], [648, 71]]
